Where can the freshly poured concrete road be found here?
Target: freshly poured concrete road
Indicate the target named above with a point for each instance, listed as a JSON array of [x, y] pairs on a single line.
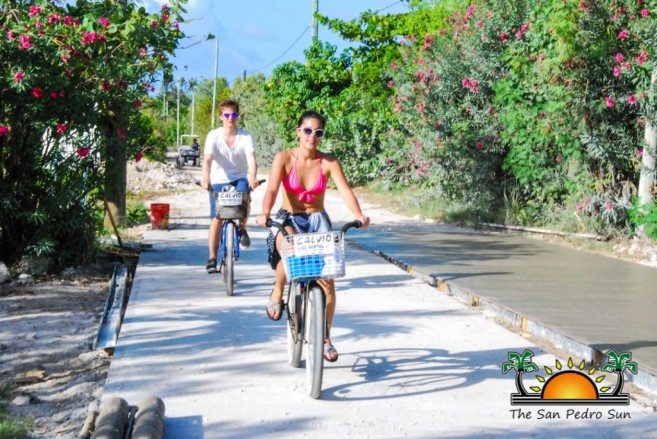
[[414, 362]]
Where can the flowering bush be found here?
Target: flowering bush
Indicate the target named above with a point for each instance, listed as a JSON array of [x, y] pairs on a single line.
[[70, 78], [539, 102]]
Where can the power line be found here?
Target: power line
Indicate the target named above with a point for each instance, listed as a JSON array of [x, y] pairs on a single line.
[[306, 30], [390, 6], [286, 50]]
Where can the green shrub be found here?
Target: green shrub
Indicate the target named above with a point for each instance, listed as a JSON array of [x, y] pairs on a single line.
[[646, 217]]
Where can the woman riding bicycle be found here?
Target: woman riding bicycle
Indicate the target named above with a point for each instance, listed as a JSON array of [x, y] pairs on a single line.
[[303, 209]]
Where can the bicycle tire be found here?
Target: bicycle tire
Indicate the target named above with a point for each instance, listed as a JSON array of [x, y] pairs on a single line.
[[229, 258], [294, 325], [315, 323]]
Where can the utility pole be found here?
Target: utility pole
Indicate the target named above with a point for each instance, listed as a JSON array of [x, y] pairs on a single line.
[[214, 89], [178, 115], [193, 105], [315, 11]]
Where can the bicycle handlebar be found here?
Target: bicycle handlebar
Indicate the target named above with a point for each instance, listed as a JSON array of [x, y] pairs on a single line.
[[353, 224], [198, 183]]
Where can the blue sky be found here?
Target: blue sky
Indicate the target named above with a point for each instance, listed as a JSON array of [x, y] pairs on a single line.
[[256, 35]]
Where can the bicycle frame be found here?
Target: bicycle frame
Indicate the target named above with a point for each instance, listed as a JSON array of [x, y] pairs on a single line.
[[230, 249]]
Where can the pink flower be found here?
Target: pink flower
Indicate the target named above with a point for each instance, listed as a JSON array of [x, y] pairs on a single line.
[[37, 92], [619, 57], [25, 42], [503, 35], [579, 207], [104, 21], [631, 100], [608, 205], [480, 23], [393, 66], [390, 84], [639, 152], [34, 10], [541, 57], [83, 152], [479, 146], [18, 77], [10, 35], [609, 101], [466, 82], [617, 71], [4, 130], [644, 13], [139, 156], [61, 128], [624, 34], [524, 27], [154, 23]]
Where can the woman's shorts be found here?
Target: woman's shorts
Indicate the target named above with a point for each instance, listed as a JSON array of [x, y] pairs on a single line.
[[301, 223]]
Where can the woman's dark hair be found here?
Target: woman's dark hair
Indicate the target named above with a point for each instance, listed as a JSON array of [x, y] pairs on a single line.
[[310, 114]]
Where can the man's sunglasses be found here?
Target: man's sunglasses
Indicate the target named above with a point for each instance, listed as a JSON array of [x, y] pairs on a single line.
[[229, 115], [319, 133]]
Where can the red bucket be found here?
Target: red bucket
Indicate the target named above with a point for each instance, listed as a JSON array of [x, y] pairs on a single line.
[[159, 216]]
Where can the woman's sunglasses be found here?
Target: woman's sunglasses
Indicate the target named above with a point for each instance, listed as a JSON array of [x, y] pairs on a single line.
[[319, 133], [229, 115]]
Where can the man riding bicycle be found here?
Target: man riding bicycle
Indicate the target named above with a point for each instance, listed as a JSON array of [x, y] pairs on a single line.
[[229, 158]]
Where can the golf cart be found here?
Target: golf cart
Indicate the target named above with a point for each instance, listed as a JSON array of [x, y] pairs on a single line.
[[189, 153]]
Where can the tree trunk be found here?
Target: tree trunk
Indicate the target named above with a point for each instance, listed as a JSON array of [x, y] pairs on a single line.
[[647, 178], [115, 184]]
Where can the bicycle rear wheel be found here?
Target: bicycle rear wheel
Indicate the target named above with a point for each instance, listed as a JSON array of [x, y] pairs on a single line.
[[229, 258], [315, 322], [294, 325]]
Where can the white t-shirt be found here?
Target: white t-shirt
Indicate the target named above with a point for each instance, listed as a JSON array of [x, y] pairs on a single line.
[[228, 163]]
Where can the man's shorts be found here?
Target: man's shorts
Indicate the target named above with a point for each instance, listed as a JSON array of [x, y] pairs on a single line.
[[241, 185]]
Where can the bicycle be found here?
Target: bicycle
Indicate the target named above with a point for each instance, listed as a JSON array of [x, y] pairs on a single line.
[[231, 207], [307, 258]]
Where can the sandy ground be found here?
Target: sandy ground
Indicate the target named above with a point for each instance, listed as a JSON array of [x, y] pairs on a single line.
[[47, 326]]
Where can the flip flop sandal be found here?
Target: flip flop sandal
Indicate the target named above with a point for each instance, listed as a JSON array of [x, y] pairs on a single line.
[[276, 307], [330, 353]]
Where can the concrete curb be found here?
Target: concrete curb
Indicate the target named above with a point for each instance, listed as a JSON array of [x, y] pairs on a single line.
[[643, 380]]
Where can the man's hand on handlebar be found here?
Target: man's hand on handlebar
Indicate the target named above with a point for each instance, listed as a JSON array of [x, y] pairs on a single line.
[[365, 220]]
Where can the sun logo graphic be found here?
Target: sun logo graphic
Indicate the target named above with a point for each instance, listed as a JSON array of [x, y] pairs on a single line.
[[573, 385]]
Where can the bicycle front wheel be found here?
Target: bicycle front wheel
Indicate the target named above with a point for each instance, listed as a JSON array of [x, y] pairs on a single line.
[[229, 258], [315, 322], [294, 325]]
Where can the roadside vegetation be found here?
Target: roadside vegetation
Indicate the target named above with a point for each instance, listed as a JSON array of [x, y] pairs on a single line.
[[512, 112]]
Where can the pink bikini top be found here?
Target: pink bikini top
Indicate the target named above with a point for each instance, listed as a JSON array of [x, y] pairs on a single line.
[[292, 184]]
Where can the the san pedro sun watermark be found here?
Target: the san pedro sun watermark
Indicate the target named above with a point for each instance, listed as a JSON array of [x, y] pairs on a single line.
[[574, 385]]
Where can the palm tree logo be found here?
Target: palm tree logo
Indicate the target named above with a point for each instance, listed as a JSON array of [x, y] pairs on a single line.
[[618, 364], [521, 364], [573, 385]]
